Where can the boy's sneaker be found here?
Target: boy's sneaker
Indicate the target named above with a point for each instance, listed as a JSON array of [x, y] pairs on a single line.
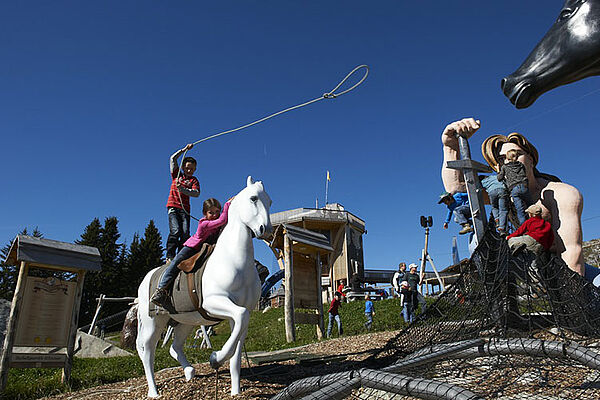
[[162, 298], [466, 228]]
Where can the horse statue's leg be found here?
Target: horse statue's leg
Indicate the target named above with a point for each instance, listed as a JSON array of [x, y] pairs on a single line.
[[149, 331], [223, 307], [180, 334], [235, 363]]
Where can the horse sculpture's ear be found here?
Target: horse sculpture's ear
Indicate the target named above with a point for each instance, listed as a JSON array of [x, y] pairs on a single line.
[[250, 181]]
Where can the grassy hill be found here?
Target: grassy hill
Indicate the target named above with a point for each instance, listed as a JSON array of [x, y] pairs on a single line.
[[591, 252], [266, 332]]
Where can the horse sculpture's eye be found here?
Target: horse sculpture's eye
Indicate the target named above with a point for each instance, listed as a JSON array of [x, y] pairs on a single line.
[[254, 199], [566, 13]]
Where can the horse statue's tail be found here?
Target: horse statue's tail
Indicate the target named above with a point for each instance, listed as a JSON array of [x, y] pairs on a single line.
[[129, 331]]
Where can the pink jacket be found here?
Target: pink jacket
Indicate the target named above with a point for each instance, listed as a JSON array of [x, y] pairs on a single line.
[[207, 228]]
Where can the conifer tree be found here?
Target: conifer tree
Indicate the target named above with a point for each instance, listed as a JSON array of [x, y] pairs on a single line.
[[91, 236], [151, 245]]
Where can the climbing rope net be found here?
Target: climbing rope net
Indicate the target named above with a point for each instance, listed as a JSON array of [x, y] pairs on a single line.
[[510, 327]]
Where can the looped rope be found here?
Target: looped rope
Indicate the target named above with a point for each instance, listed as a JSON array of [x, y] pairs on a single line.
[[329, 95]]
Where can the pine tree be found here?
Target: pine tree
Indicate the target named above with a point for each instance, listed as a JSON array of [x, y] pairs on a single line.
[[9, 272], [91, 286], [135, 264], [151, 244], [144, 255]]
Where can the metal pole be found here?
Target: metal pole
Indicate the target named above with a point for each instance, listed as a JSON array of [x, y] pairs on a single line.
[[93, 324], [436, 273]]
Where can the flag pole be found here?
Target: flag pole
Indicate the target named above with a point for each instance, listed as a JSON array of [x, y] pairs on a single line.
[[326, 188]]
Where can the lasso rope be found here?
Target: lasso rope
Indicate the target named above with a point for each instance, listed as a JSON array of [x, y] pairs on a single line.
[[329, 95]]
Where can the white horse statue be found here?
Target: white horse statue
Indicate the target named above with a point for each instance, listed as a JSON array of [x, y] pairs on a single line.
[[230, 289]]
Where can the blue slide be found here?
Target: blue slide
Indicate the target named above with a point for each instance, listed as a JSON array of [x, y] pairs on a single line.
[[271, 281]]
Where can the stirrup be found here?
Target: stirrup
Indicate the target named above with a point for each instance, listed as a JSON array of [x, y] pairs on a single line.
[[162, 298]]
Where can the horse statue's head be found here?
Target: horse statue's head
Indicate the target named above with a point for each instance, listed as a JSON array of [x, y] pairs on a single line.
[[252, 205], [570, 51]]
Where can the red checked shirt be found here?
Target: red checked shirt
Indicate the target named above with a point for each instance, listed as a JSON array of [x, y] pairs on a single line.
[[190, 183], [537, 228]]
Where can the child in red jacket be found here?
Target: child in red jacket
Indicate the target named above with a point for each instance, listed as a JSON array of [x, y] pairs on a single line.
[[535, 234]]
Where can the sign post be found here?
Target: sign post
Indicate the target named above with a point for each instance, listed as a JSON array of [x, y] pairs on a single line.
[[42, 326]]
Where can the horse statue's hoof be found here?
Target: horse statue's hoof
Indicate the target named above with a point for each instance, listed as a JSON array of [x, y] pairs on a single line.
[[189, 373], [213, 361]]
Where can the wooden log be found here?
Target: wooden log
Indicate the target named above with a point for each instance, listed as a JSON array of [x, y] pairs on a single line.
[[320, 322], [290, 330], [66, 373], [12, 324]]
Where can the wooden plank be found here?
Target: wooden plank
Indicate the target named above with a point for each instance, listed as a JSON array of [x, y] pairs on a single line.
[[305, 277], [290, 331], [319, 311], [66, 373], [305, 318], [12, 325]]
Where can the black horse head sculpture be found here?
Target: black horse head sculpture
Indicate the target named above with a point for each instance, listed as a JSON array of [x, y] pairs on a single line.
[[570, 51]]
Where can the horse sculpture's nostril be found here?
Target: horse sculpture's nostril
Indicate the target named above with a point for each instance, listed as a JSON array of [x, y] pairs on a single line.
[[262, 229]]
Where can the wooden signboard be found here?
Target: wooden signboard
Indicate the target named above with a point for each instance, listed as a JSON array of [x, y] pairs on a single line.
[[44, 312], [45, 315]]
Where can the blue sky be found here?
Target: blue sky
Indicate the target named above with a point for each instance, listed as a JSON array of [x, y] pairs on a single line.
[[96, 96]]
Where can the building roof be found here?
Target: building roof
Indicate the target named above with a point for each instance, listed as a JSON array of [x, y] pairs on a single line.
[[304, 240], [333, 214], [53, 253]]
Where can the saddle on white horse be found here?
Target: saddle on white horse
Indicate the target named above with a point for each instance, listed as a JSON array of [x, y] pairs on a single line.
[[187, 288]]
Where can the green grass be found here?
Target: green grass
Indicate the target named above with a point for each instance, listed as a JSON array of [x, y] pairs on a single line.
[[266, 332]]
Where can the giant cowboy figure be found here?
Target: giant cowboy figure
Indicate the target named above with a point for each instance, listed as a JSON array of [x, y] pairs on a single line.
[[561, 203]]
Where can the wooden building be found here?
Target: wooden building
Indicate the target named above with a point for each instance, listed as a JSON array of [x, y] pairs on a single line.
[[344, 231], [303, 251]]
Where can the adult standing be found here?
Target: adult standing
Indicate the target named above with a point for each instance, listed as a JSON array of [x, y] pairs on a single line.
[[398, 277]]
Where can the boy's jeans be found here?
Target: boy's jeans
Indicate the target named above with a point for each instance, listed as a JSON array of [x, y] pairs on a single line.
[[462, 214], [408, 313], [499, 202], [369, 322], [179, 230], [522, 200], [339, 324]]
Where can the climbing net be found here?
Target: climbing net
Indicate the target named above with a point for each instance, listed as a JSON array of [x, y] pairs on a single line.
[[510, 327]]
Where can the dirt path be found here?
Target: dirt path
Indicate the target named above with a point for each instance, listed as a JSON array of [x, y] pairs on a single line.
[[258, 382]]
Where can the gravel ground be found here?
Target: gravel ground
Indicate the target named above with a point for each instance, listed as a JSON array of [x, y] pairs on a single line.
[[258, 382]]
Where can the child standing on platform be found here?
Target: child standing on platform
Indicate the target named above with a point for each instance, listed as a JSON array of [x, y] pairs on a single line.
[[514, 175], [178, 204], [499, 200]]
